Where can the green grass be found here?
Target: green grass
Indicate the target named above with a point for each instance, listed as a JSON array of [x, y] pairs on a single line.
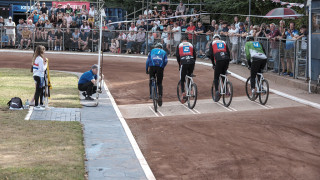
[[39, 149]]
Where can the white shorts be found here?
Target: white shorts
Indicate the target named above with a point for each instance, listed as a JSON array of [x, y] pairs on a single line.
[[12, 37]]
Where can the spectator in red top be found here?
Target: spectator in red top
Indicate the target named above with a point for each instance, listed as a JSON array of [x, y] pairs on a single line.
[[274, 45], [190, 31]]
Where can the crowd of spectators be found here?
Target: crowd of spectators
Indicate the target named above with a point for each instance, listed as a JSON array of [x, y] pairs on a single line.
[[75, 29]]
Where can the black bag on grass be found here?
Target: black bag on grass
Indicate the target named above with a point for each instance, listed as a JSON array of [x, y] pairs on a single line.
[[15, 103]]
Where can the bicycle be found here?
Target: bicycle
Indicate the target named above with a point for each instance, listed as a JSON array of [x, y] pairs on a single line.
[[191, 91], [154, 93], [262, 89], [225, 89]]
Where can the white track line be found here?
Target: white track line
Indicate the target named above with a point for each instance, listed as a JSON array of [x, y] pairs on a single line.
[[27, 118], [196, 111], [188, 108], [266, 107], [134, 144], [160, 113], [153, 111], [232, 108], [220, 104]]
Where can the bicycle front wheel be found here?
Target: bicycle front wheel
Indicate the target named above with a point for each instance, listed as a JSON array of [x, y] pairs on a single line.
[[192, 99], [264, 92], [179, 92], [227, 96], [154, 98], [248, 90]]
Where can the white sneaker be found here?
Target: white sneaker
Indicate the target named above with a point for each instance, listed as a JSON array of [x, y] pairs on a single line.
[[38, 108], [243, 64], [233, 61], [141, 53]]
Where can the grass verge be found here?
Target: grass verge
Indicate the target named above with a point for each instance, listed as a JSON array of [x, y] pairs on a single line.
[[39, 149]]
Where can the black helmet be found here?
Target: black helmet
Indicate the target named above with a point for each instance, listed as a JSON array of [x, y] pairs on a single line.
[[250, 38], [158, 45]]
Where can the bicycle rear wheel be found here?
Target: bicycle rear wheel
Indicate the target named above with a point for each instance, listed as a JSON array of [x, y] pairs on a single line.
[[264, 94], [248, 90], [179, 92], [154, 98], [227, 97], [192, 99]]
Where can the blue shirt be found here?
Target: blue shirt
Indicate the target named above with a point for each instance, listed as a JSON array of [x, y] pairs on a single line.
[[157, 57], [290, 43], [87, 77]]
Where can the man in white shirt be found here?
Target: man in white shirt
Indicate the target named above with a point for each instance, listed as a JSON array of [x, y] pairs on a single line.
[[11, 31], [147, 11], [233, 36], [176, 34], [92, 11], [131, 38], [133, 28]]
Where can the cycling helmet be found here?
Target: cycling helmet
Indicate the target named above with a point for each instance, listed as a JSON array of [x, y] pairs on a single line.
[[158, 45], [250, 38], [216, 36]]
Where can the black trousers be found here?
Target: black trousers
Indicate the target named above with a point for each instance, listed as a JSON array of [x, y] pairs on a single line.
[[185, 69], [221, 68], [153, 72], [88, 87], [39, 91], [257, 65]]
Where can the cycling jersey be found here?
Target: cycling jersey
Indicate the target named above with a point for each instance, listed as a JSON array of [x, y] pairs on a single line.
[[186, 53], [157, 57], [219, 51], [254, 50]]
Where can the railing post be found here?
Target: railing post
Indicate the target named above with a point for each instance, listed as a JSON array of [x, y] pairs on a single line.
[[294, 59]]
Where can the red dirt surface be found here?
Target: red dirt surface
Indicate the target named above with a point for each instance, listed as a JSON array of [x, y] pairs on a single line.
[[266, 144]]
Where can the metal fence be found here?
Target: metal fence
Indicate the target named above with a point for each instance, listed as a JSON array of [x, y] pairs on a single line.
[[279, 52]]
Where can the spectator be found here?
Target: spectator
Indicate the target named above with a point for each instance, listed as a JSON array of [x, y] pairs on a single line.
[[169, 40], [53, 9], [93, 40], [242, 30], [59, 10], [84, 12], [248, 20], [155, 12], [64, 24], [164, 11], [43, 17], [224, 31], [143, 26], [236, 22], [53, 19], [92, 11], [78, 20], [68, 9], [19, 29], [274, 45], [25, 37], [58, 39], [35, 16], [11, 31], [68, 18], [31, 28], [211, 28], [190, 31], [255, 31], [75, 39], [68, 39], [233, 36], [133, 27], [44, 9], [150, 43], [85, 26], [122, 39], [181, 8], [164, 35], [51, 39], [289, 50], [303, 36], [59, 19], [184, 26], [139, 20], [147, 11], [73, 26], [131, 38], [91, 21], [78, 10], [170, 13], [38, 8], [83, 40], [282, 42], [114, 46], [140, 40], [201, 39], [263, 30], [47, 28], [176, 34], [157, 22]]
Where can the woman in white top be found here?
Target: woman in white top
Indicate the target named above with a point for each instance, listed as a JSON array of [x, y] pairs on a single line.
[[39, 65], [233, 36]]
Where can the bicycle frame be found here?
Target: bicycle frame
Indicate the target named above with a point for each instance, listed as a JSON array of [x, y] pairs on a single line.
[[188, 83], [223, 87], [258, 84]]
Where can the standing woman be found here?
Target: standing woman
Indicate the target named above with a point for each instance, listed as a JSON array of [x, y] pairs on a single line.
[[39, 65]]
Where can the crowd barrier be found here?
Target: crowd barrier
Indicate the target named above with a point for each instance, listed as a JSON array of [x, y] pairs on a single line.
[[119, 41]]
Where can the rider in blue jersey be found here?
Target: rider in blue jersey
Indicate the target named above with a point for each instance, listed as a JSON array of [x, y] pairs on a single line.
[[156, 62]]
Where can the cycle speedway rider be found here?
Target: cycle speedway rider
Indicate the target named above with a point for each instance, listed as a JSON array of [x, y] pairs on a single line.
[[186, 58], [256, 58], [219, 55], [156, 62]]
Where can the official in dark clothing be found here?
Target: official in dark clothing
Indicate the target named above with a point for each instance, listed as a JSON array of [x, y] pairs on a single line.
[[87, 82]]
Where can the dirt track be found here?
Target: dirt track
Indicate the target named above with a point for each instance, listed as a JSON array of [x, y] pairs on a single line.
[[262, 144]]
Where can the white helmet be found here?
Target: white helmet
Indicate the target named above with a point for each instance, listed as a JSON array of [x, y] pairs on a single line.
[[216, 36]]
